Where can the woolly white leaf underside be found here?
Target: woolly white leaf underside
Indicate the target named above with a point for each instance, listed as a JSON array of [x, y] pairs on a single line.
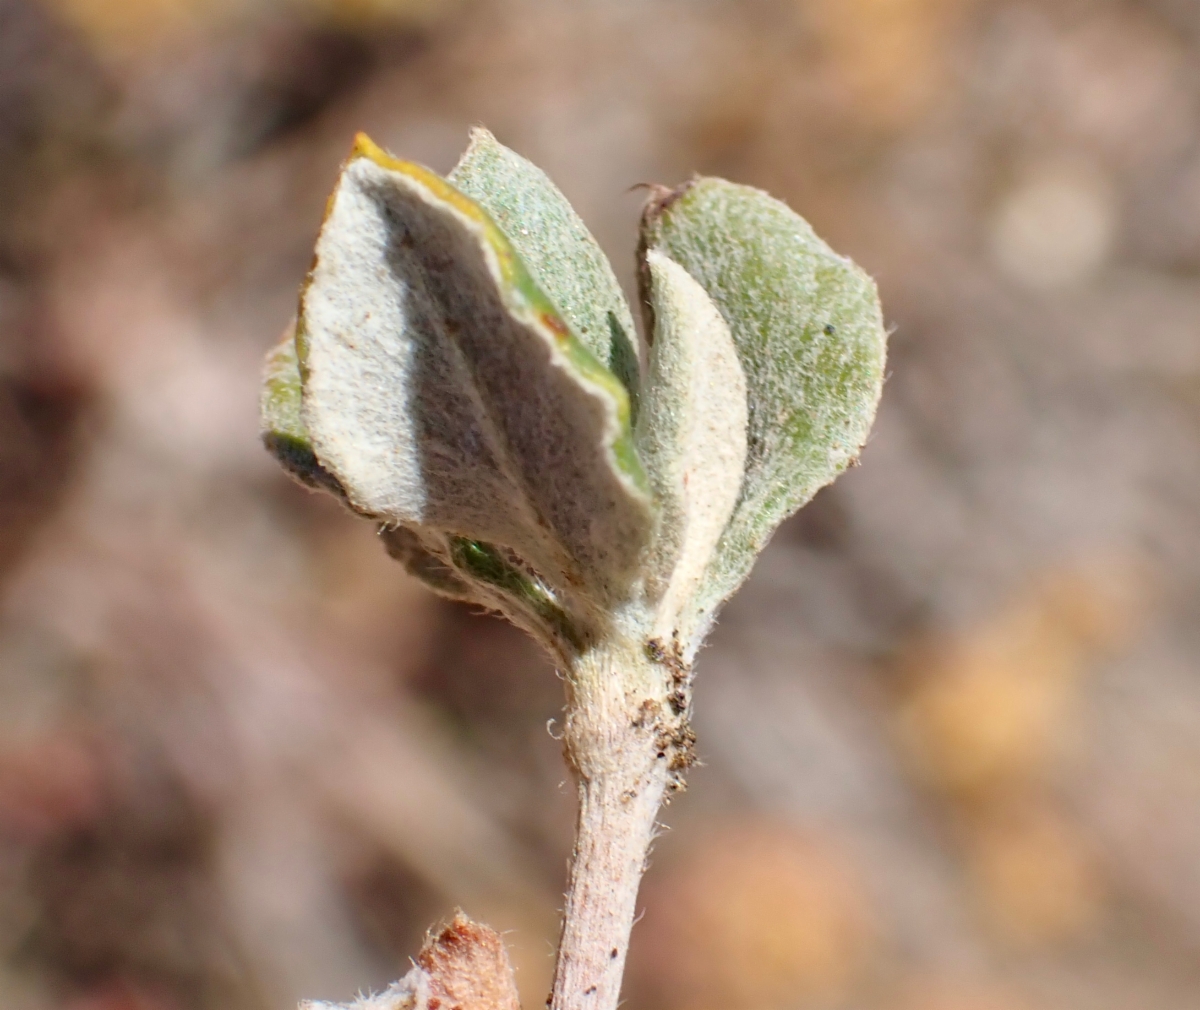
[[691, 436], [441, 391]]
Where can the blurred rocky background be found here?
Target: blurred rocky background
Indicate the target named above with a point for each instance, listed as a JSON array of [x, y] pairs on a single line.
[[950, 728]]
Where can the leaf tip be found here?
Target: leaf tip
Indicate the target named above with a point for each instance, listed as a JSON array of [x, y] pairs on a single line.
[[479, 136], [365, 147]]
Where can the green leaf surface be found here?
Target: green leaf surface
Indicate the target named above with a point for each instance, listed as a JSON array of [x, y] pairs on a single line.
[[444, 391], [564, 259], [809, 334]]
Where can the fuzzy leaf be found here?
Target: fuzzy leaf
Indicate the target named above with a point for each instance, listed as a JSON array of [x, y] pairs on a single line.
[[465, 967], [474, 572], [406, 546], [459, 569], [443, 390], [691, 437], [516, 592], [565, 260], [810, 336], [283, 431]]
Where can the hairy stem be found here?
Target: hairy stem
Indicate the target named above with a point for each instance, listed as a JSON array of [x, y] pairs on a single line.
[[619, 740]]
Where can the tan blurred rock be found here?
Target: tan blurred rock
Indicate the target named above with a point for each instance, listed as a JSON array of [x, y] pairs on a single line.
[[888, 58], [996, 704], [754, 916], [1033, 875], [943, 994]]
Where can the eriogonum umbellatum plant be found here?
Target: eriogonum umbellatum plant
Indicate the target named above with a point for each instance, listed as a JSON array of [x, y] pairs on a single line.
[[464, 372]]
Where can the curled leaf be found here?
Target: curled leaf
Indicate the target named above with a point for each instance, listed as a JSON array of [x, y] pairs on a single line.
[[566, 262], [428, 562], [471, 571], [810, 337], [283, 430], [518, 592], [443, 390], [691, 436]]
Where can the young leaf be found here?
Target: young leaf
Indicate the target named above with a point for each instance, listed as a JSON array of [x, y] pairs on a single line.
[[565, 260], [474, 572], [283, 431], [691, 437], [452, 568], [810, 337], [428, 562], [506, 585], [464, 967], [442, 389]]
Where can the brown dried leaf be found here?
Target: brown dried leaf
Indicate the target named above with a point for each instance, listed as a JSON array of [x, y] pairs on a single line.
[[465, 967], [468, 968]]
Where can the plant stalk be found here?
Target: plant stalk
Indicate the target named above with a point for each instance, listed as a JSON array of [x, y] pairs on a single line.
[[620, 743]]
